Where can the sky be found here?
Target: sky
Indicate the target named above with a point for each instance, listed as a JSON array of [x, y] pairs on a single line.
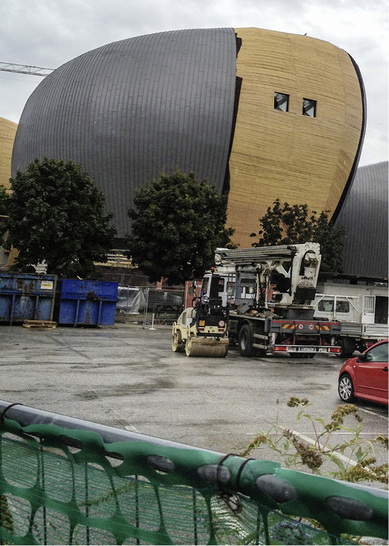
[[48, 33]]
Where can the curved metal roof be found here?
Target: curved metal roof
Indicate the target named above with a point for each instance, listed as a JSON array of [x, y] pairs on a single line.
[[131, 109], [364, 216]]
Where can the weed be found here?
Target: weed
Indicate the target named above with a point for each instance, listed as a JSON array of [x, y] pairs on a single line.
[[351, 459]]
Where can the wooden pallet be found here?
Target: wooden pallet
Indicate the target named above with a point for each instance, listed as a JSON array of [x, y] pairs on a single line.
[[39, 324]]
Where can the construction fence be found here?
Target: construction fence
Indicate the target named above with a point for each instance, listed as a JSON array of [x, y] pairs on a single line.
[[67, 481], [146, 304]]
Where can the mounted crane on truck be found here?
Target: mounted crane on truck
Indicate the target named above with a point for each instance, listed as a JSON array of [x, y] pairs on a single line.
[[270, 293]]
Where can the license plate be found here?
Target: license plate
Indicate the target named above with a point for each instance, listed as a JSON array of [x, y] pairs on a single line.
[[307, 350]]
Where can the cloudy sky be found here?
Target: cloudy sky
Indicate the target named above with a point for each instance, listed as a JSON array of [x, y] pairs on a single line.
[[48, 33]]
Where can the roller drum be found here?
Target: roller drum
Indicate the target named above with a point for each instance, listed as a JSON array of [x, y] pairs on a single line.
[[206, 347]]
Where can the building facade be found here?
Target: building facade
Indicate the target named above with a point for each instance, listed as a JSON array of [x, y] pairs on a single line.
[[7, 137], [259, 114], [364, 218]]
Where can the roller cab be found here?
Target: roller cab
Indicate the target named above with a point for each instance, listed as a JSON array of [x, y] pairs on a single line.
[[202, 330]]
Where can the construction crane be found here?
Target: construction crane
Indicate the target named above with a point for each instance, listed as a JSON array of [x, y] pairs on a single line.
[[25, 69]]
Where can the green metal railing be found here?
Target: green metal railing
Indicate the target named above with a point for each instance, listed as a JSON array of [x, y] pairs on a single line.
[[67, 481]]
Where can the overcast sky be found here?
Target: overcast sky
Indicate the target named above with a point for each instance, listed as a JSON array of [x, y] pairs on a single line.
[[48, 33]]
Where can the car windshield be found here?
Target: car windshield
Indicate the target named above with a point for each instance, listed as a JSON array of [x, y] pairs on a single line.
[[378, 354]]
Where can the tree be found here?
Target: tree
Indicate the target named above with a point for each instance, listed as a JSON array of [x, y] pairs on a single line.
[[4, 201], [177, 223], [56, 214], [292, 224]]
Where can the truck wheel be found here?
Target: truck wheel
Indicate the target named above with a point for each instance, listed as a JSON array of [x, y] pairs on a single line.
[[346, 388], [245, 340], [347, 347]]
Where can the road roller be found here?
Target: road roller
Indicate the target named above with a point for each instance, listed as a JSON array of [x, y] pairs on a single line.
[[202, 330]]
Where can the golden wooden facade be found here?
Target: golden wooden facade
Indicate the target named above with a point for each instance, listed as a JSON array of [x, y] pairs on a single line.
[[7, 137], [298, 158]]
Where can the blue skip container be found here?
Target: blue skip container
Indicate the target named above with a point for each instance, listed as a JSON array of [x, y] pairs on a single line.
[[26, 297], [86, 303]]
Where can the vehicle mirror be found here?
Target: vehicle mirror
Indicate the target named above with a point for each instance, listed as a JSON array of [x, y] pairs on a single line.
[[356, 353], [363, 357]]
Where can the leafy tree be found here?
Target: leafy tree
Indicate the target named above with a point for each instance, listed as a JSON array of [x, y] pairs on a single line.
[[4, 200], [177, 223], [293, 224], [56, 214]]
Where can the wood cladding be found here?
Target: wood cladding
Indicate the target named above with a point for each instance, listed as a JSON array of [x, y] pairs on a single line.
[[287, 155], [7, 137]]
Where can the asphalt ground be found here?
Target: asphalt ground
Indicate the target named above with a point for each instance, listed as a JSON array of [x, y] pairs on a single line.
[[127, 377]]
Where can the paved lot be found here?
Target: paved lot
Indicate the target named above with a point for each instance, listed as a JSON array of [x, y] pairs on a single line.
[[126, 376]]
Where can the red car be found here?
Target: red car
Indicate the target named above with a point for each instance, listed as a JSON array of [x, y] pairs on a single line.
[[366, 375]]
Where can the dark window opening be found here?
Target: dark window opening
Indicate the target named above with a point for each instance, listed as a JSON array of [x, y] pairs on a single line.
[[281, 102], [309, 108]]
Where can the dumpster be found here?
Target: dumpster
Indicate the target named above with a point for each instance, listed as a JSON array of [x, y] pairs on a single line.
[[26, 297], [86, 303]]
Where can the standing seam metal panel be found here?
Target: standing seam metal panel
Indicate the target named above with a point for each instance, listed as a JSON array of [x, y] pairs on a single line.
[[131, 109], [364, 215]]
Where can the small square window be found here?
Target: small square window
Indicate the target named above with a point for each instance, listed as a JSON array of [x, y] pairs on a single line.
[[309, 108], [281, 102]]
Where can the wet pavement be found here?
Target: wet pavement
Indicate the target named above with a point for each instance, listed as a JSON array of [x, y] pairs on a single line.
[[126, 376]]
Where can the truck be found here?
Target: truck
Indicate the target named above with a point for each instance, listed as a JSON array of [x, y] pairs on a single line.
[[269, 293], [362, 310]]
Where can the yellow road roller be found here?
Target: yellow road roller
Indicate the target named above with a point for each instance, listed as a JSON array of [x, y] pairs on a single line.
[[202, 330]]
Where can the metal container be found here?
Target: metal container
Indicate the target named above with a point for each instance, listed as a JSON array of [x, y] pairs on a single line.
[[86, 303], [26, 297]]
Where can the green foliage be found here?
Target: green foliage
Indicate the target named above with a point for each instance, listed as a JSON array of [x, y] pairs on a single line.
[[293, 224], [4, 201], [56, 214], [177, 223], [351, 458], [6, 519]]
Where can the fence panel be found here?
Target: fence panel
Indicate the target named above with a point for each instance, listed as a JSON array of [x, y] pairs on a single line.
[[67, 481]]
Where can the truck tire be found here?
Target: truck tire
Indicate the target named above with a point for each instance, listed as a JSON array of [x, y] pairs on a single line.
[[245, 341], [347, 347]]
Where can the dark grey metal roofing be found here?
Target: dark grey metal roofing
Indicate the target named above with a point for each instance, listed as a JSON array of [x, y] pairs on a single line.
[[364, 216], [360, 144], [131, 109]]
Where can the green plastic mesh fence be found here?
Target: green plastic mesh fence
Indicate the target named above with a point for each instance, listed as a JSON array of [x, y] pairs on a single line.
[[62, 486]]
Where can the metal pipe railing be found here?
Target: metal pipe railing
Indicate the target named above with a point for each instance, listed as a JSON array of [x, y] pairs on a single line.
[[26, 416]]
